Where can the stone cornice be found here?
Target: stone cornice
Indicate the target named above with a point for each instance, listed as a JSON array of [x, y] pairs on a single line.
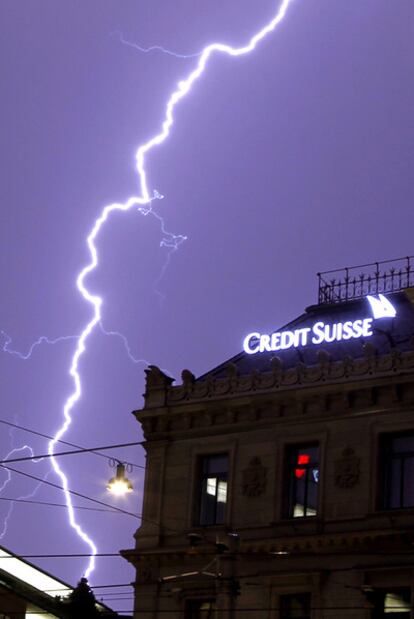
[[161, 392], [195, 405], [377, 541], [326, 371]]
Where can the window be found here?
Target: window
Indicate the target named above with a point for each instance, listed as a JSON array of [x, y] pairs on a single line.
[[397, 465], [297, 606], [213, 498], [303, 478], [392, 603], [199, 609]]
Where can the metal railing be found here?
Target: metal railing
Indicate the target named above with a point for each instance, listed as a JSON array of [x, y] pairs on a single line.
[[349, 283]]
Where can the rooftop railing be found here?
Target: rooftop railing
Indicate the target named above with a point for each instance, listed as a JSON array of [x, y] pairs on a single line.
[[355, 282]]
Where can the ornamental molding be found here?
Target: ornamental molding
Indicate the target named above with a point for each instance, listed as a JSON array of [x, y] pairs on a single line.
[[254, 479], [277, 378], [347, 469]]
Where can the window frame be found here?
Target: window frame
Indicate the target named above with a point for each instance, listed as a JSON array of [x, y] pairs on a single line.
[[386, 457], [189, 612], [289, 479], [294, 594], [378, 599], [204, 476]]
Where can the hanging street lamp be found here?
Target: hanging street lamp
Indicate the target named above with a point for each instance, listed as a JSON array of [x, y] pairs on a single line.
[[120, 484]]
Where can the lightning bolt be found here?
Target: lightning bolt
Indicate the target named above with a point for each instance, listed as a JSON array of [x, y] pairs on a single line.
[[143, 203], [41, 340], [8, 479], [25, 356], [169, 240], [154, 48]]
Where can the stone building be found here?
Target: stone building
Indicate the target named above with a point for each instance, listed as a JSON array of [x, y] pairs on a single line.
[[280, 485]]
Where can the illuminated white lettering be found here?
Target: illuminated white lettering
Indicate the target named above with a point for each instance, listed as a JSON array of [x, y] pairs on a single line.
[[246, 343], [347, 330], [287, 340], [367, 327], [357, 328], [318, 332], [275, 342], [303, 335], [330, 333], [265, 343]]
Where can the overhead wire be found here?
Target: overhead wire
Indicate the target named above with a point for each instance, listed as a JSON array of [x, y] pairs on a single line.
[[47, 436], [230, 554], [81, 450], [88, 498], [50, 504], [78, 494], [179, 612]]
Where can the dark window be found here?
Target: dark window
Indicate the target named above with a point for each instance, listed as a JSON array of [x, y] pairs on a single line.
[[213, 500], [302, 482], [392, 603], [199, 609], [397, 465], [296, 606]]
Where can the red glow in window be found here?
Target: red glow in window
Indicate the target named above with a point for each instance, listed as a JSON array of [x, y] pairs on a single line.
[[302, 459]]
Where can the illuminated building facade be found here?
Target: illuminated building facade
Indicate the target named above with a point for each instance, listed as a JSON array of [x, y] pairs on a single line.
[[281, 485]]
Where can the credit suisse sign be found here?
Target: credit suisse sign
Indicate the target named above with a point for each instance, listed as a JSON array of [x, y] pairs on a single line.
[[321, 332]]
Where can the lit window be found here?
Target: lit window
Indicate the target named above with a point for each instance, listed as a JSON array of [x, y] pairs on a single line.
[[302, 482], [296, 606], [199, 609], [397, 466], [392, 603], [214, 470]]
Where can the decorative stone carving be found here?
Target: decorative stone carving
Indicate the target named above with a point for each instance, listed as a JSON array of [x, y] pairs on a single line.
[[324, 361], [280, 378], [231, 370], [348, 364], [347, 469], [396, 358], [254, 478], [156, 379], [323, 357], [301, 371], [187, 377], [276, 364], [369, 350]]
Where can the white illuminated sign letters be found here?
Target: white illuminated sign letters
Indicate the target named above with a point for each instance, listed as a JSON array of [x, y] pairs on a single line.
[[320, 332]]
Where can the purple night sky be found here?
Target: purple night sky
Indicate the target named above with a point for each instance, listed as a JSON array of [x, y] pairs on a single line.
[[293, 159]]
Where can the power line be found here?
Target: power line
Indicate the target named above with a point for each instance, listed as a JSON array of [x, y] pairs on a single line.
[[81, 450], [79, 555], [52, 438], [237, 609], [78, 494], [88, 498], [49, 504], [123, 584], [243, 554]]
